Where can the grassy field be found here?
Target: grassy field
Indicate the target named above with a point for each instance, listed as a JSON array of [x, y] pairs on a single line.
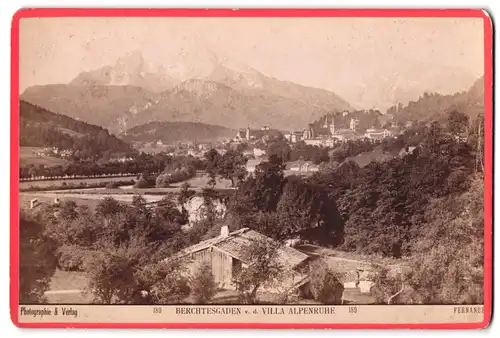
[[24, 200], [197, 183], [27, 184], [376, 155], [70, 298], [68, 280], [201, 181], [27, 156]]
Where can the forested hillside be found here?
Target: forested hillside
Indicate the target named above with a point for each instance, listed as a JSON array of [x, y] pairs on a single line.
[[42, 128], [425, 206], [172, 132], [432, 106], [366, 119]]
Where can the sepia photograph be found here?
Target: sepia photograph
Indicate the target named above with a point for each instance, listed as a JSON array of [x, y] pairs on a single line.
[[210, 166]]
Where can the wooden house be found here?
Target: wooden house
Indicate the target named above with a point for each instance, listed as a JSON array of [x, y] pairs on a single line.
[[228, 254]]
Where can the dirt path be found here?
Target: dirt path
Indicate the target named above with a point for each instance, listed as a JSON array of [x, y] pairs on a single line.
[[61, 292]]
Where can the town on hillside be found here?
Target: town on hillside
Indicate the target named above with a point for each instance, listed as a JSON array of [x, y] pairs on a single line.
[[203, 180]]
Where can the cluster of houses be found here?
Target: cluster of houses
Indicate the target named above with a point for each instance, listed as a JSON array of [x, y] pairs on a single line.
[[54, 152], [179, 148], [247, 135], [264, 134], [230, 252], [336, 135], [291, 168], [122, 159], [301, 167]]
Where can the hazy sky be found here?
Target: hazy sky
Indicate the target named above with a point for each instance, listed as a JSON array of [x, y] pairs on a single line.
[[319, 52]]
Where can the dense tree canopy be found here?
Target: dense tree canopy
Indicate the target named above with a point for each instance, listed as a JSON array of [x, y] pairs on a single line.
[[448, 257], [383, 204], [285, 208], [37, 263]]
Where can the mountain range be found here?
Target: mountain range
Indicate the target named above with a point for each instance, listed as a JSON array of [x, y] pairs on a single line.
[[391, 84], [215, 91]]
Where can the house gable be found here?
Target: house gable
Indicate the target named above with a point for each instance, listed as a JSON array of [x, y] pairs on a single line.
[[229, 253]]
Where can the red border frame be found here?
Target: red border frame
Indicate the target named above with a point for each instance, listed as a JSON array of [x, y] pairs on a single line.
[[117, 12]]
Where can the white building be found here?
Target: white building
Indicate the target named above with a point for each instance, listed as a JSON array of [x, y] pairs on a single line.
[[257, 152], [302, 167], [353, 124], [315, 142], [377, 134], [296, 136]]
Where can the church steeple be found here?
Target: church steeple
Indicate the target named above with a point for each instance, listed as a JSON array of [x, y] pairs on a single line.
[[325, 125], [332, 127]]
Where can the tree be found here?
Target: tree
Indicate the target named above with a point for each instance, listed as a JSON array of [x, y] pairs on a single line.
[[212, 159], [163, 283], [184, 196], [111, 277], [476, 140], [457, 122], [263, 269], [37, 260], [168, 220], [267, 223], [71, 257], [280, 148], [325, 284], [268, 184], [108, 207], [448, 267], [209, 209], [203, 286], [67, 209], [145, 181], [299, 207], [185, 193], [163, 180], [390, 288], [434, 135], [232, 166], [259, 194], [307, 210]]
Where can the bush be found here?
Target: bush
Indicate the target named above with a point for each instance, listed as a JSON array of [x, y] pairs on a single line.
[[70, 257], [176, 176], [163, 181], [203, 286], [325, 285], [141, 183], [145, 182], [112, 185]]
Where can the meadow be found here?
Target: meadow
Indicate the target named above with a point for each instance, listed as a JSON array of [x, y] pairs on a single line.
[[58, 182], [27, 156]]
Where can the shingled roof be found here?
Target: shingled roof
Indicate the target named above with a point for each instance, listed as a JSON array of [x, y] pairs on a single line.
[[236, 244]]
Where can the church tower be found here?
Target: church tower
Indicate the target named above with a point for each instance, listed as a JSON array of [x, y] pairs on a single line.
[[353, 124], [311, 131], [332, 127], [325, 125]]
